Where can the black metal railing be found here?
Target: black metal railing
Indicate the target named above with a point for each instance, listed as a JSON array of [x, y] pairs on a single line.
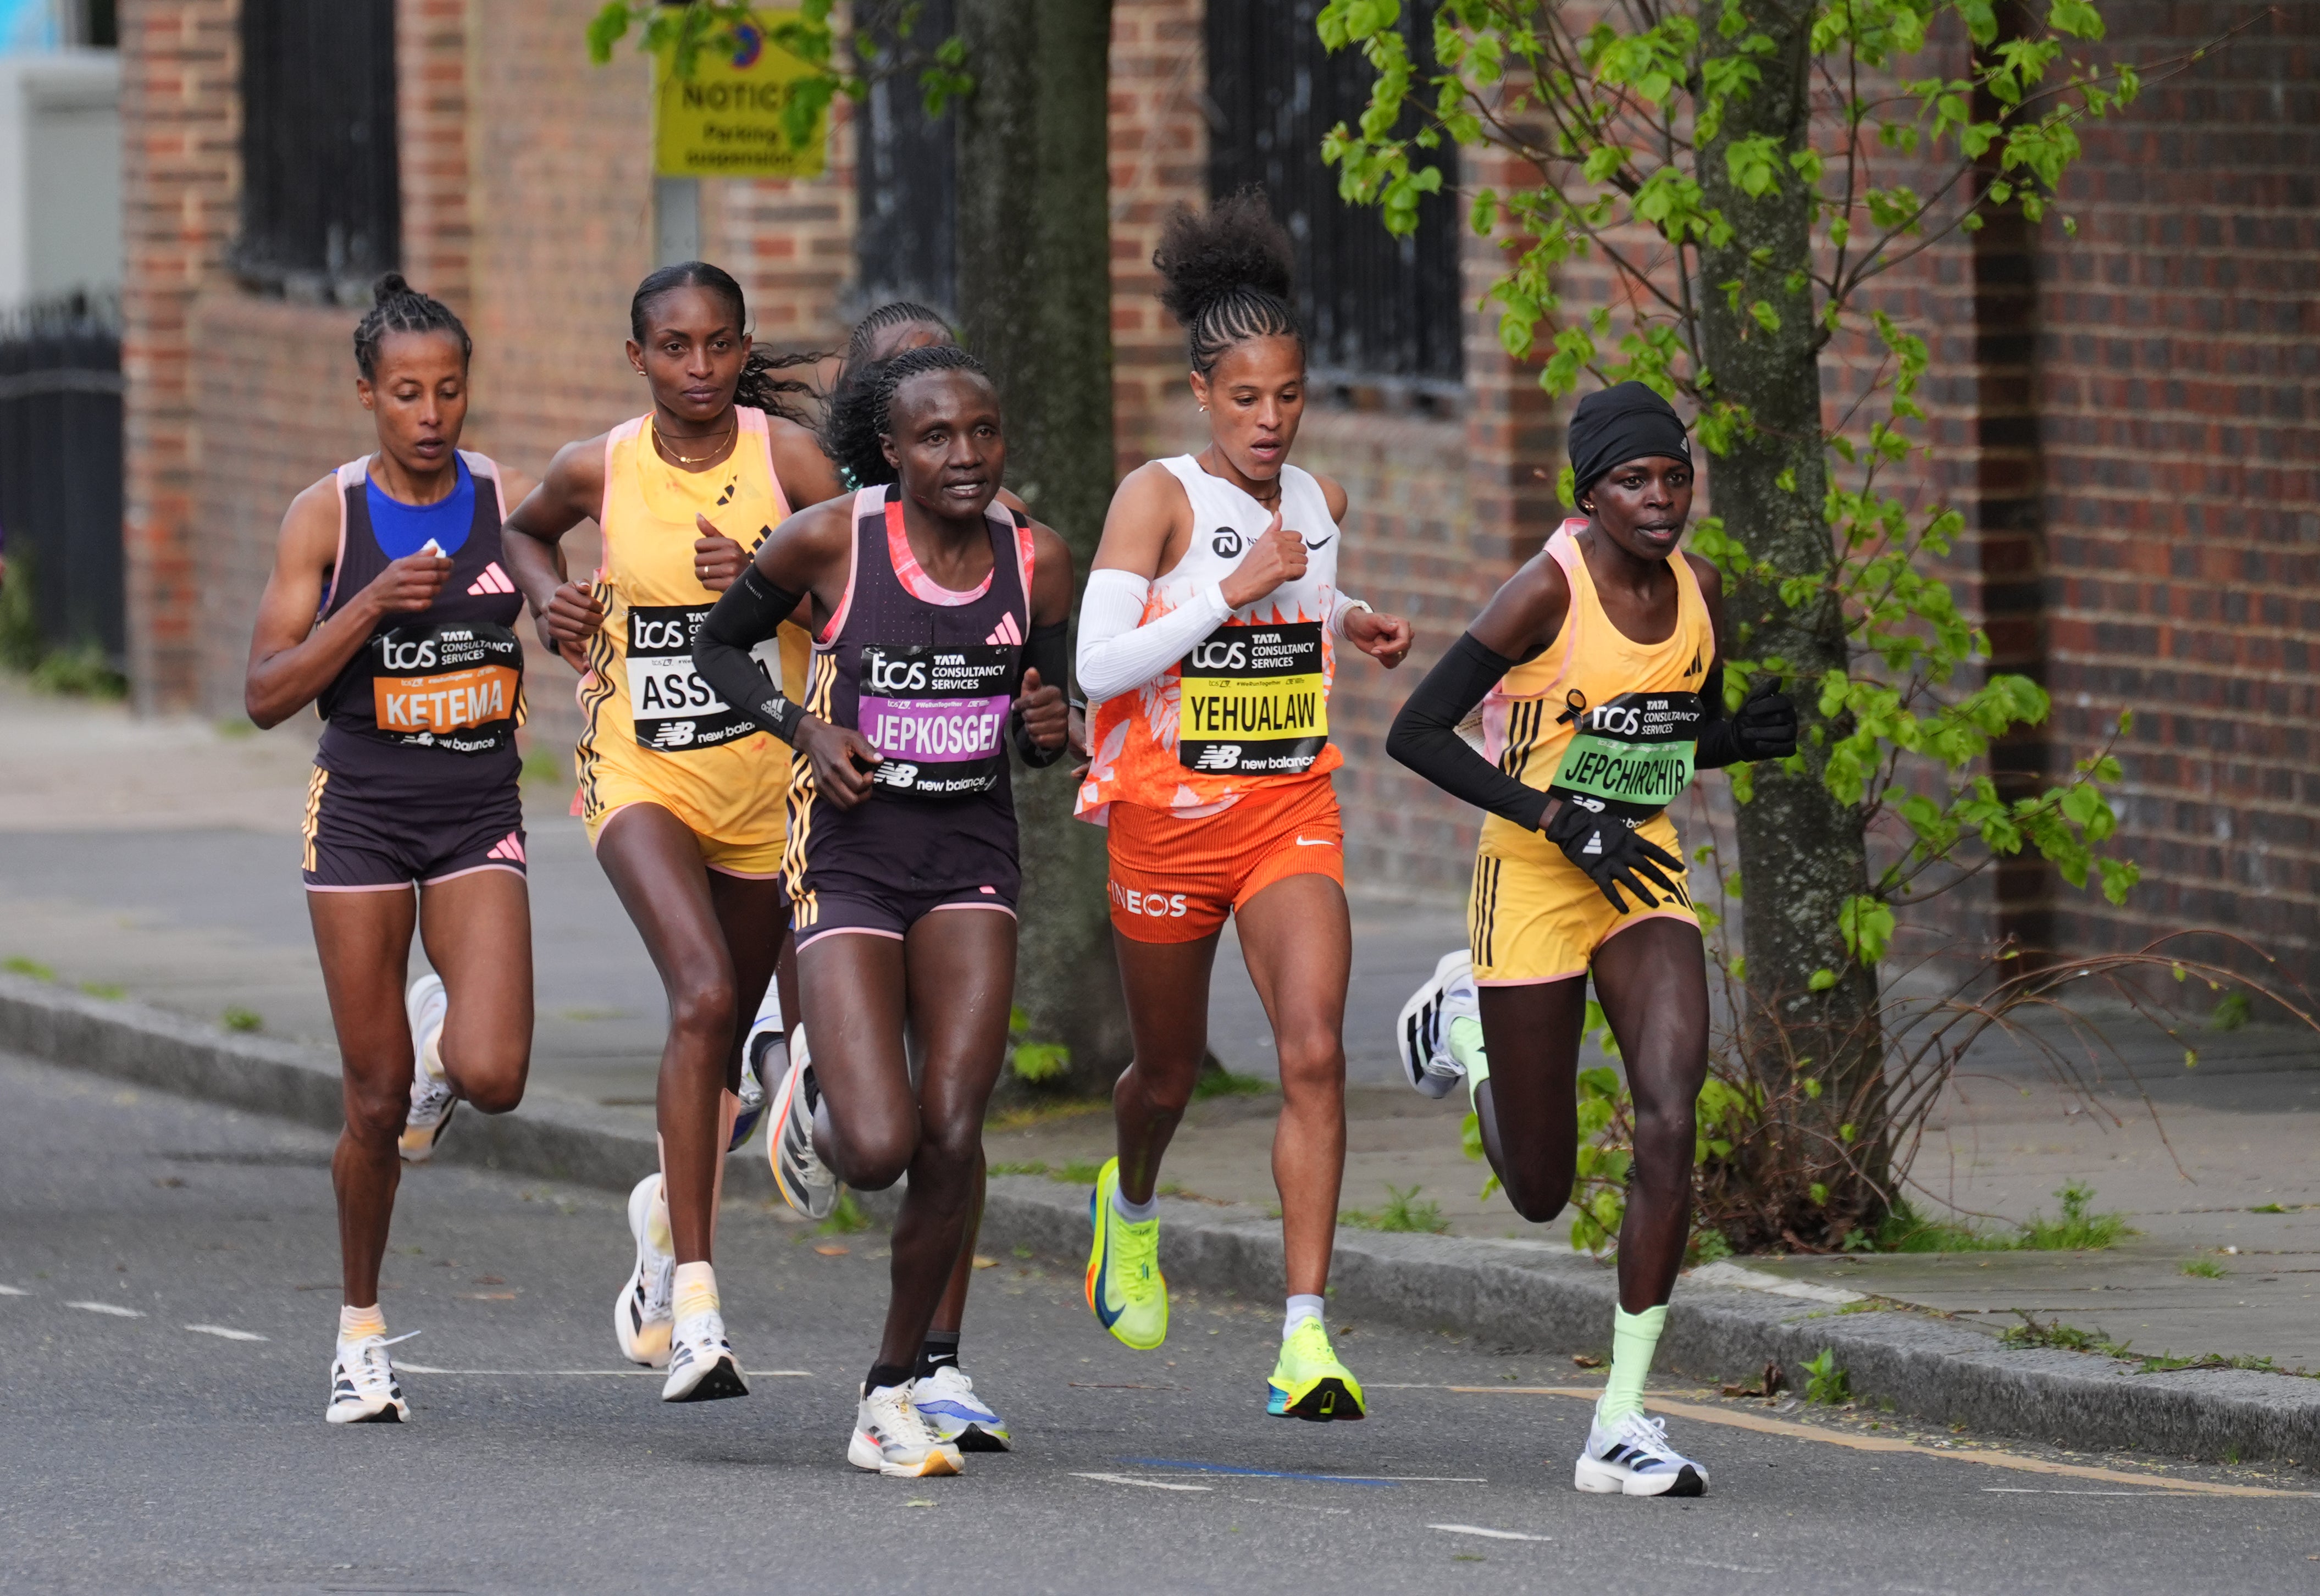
[[1375, 306], [61, 500], [321, 207]]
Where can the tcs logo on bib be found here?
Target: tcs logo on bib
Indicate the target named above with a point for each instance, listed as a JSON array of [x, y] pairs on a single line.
[[418, 656], [1153, 905]]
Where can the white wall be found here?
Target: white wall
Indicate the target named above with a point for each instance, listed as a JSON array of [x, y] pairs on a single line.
[[59, 173]]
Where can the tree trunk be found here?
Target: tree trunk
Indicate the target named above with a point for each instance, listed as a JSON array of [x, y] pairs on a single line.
[[1802, 852], [1035, 292]]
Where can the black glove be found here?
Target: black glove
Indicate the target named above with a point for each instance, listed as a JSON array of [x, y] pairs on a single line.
[[1765, 727], [1612, 854]]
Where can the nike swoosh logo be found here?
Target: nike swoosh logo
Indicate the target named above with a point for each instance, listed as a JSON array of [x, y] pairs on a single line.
[[1313, 842], [1323, 540]]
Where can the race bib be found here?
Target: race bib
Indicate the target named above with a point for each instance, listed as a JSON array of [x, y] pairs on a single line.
[[675, 710], [1254, 700], [938, 717], [456, 687], [1633, 753]]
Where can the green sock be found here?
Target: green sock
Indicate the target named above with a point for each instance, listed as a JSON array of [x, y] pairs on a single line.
[[1635, 1338], [1466, 1047]]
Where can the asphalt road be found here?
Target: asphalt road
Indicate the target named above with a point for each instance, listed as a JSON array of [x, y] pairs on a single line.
[[148, 1442]]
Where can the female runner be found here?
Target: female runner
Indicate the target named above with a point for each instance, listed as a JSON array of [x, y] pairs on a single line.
[[681, 793], [942, 1390], [940, 621], [389, 608], [1597, 669], [1208, 633]]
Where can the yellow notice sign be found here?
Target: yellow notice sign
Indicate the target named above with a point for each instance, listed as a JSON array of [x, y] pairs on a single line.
[[726, 120]]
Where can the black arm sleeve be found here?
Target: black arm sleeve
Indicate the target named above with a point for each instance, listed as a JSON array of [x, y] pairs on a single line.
[[1044, 651], [1425, 735], [746, 615]]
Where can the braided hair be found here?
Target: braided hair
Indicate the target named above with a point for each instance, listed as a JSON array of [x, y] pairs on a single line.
[[894, 312], [849, 423], [758, 388], [1226, 277], [891, 375], [397, 307]]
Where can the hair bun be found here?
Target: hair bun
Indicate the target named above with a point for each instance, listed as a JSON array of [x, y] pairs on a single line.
[[1237, 244], [389, 287]]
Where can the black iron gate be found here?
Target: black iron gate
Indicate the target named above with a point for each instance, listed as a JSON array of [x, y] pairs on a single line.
[[60, 507]]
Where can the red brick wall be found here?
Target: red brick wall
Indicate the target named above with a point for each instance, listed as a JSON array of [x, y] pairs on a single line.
[[178, 128], [2178, 377]]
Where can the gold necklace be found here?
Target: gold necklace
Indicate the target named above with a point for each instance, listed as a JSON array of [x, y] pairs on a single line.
[[660, 441]]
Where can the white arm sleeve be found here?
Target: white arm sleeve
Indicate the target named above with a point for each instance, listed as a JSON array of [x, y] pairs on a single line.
[[1116, 654]]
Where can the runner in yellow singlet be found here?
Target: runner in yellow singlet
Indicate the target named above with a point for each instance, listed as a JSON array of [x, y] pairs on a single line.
[[683, 794], [1597, 670]]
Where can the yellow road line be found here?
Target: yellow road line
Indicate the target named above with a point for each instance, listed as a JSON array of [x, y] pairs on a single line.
[[1807, 1432]]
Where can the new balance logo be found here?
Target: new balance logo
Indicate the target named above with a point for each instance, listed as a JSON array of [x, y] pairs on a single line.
[[1221, 756], [492, 580], [1006, 632], [509, 847]]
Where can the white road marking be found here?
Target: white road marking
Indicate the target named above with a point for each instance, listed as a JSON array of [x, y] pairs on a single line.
[[411, 1368], [1147, 1484], [1487, 1534], [2043, 1491], [224, 1333], [11, 1290], [115, 1309]]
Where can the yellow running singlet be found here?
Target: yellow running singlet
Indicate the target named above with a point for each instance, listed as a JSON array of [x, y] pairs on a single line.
[[652, 730]]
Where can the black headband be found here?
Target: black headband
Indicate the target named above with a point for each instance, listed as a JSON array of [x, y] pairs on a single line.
[[1617, 424]]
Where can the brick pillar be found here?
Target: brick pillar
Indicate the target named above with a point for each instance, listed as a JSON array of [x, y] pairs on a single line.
[[182, 173], [430, 114]]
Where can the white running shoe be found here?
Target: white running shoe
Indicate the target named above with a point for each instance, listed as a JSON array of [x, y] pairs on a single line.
[[946, 1400], [1633, 1458], [890, 1436], [804, 1180], [702, 1367], [1422, 1034], [363, 1386], [644, 1316], [764, 1056], [431, 1102]]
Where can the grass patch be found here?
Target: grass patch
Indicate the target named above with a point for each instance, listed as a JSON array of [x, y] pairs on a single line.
[[235, 727], [541, 766], [2167, 1363], [2055, 1333], [2205, 1268], [16, 963], [1032, 1167], [2080, 1229], [80, 673], [846, 1218], [237, 1018], [1223, 1082], [104, 989], [1402, 1213], [1079, 1172], [1826, 1380]]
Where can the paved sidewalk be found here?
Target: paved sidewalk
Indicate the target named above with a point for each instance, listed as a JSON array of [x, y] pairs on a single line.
[[159, 859]]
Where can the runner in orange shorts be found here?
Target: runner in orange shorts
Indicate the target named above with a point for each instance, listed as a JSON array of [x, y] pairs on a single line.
[[1209, 634]]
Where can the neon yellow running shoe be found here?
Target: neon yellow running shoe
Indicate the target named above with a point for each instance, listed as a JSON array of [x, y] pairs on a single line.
[[1309, 1381], [1124, 1284]]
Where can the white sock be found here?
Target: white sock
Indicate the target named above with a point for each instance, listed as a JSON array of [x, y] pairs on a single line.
[[695, 1290], [1135, 1213], [1300, 1308], [355, 1323]]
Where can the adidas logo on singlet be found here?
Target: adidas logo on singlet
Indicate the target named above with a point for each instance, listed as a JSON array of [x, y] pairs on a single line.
[[492, 580], [1693, 669], [1006, 631]]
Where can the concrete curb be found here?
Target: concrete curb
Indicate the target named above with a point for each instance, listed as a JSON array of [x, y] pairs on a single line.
[[1529, 1296]]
